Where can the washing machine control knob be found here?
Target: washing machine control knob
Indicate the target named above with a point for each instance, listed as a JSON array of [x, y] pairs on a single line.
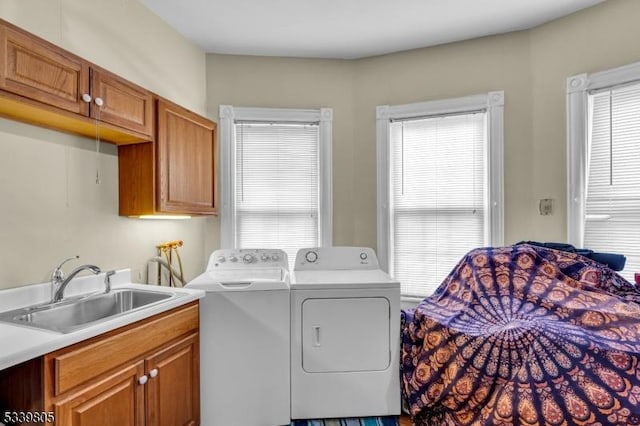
[[264, 257], [363, 256], [311, 256], [247, 258], [221, 259], [233, 259], [275, 257]]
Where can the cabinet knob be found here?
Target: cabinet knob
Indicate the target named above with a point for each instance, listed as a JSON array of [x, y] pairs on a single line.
[[99, 102], [142, 380], [86, 97], [153, 373]]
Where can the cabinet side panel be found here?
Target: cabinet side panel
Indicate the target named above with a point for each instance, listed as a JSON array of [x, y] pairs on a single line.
[[136, 179], [21, 387]]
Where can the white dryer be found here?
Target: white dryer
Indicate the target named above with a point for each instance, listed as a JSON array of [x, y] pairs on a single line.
[[345, 335], [244, 338]]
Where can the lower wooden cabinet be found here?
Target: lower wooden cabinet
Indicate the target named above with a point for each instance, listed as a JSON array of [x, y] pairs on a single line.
[[144, 374], [161, 390]]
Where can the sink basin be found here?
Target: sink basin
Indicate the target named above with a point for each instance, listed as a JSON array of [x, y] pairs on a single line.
[[70, 315]]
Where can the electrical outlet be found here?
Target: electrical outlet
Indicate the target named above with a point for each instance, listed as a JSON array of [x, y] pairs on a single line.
[[546, 206]]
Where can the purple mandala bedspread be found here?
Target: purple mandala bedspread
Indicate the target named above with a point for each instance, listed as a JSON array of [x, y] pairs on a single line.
[[524, 335]]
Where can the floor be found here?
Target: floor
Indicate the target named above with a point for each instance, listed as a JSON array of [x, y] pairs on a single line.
[[405, 420]]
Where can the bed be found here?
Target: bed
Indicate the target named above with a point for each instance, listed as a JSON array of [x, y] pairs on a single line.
[[524, 335]]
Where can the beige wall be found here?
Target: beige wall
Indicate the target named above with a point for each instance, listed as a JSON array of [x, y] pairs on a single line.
[[295, 83], [530, 66], [51, 207], [449, 71], [596, 39]]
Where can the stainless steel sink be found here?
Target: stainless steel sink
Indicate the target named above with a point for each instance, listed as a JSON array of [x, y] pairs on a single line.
[[73, 314]]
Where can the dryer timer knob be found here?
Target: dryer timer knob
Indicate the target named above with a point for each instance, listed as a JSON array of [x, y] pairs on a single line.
[[247, 258], [311, 256]]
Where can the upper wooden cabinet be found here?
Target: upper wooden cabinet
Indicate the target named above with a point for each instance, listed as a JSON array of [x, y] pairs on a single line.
[[186, 148], [45, 85], [167, 154], [40, 71], [174, 175]]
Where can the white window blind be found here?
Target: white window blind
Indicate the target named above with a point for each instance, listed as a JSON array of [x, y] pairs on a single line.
[[612, 210], [276, 186], [438, 196]]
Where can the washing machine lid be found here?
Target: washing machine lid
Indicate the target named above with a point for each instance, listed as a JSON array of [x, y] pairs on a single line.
[[353, 279], [254, 279]]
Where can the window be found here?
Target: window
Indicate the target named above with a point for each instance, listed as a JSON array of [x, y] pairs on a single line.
[[439, 186], [276, 178], [603, 129]]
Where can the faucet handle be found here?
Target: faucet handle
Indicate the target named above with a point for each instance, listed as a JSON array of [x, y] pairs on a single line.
[[57, 272], [107, 281]]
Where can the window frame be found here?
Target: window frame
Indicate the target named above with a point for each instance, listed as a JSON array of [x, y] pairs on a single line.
[[493, 104], [578, 88], [228, 115]]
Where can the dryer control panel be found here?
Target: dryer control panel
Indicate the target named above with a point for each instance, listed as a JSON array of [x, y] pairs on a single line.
[[336, 258], [247, 258]]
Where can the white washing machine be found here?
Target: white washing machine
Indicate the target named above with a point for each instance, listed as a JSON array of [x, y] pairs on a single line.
[[345, 335], [244, 338]]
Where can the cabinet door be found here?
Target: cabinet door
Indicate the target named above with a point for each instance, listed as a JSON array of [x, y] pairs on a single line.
[[124, 104], [186, 161], [173, 390], [115, 400], [38, 70]]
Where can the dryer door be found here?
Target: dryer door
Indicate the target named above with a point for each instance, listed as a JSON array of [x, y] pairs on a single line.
[[345, 334]]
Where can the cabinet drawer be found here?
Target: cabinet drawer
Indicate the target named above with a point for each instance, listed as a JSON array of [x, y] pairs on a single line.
[[76, 364]]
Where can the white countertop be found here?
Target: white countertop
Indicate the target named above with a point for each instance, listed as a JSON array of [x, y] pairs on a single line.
[[22, 343]]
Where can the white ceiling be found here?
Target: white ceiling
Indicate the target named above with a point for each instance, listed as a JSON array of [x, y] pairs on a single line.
[[349, 28]]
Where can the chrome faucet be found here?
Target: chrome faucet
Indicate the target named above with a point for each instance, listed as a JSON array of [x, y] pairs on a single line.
[[59, 282]]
